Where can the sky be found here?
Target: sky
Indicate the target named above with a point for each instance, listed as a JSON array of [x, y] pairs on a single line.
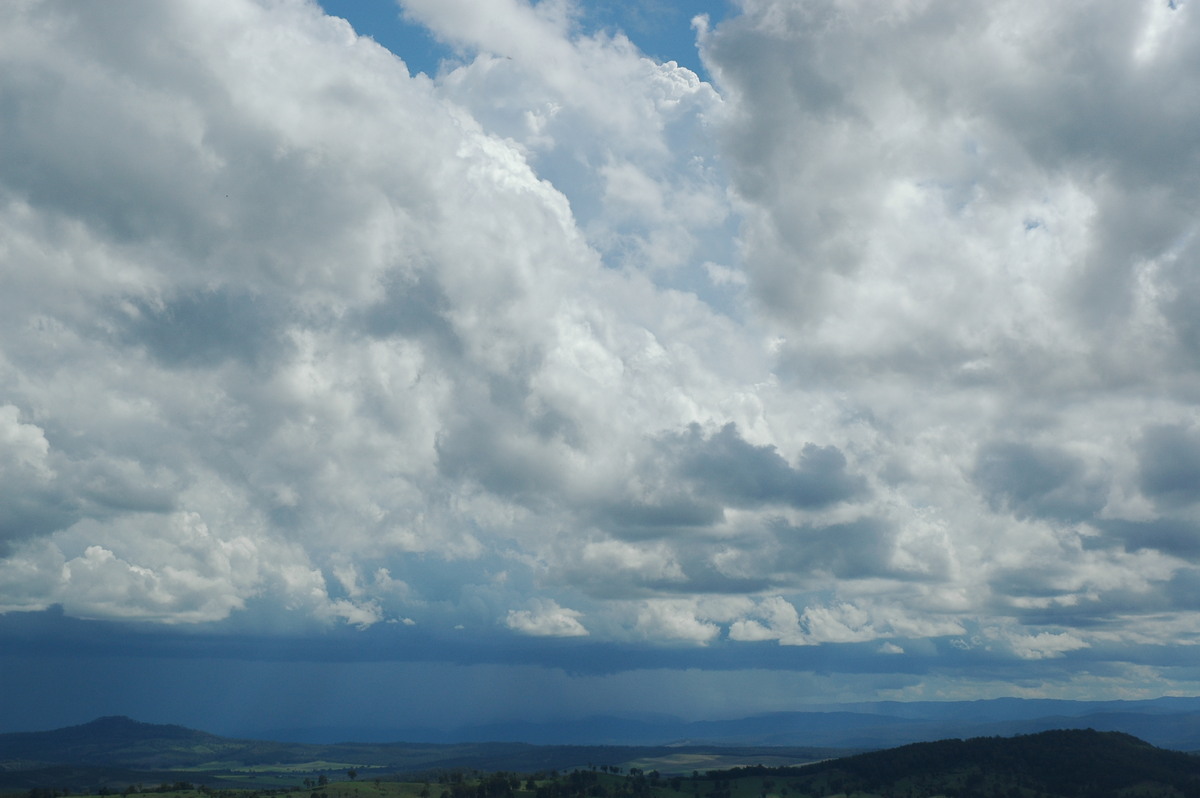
[[573, 358]]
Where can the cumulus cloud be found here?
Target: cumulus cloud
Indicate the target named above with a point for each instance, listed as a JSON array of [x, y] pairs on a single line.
[[34, 504], [319, 333], [776, 618], [674, 620], [547, 619], [1044, 645], [623, 136], [988, 287], [887, 334]]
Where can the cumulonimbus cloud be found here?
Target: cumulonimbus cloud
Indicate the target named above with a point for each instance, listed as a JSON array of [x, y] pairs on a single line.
[[901, 305]]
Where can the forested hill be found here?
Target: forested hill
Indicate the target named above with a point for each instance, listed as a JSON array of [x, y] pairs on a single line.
[[107, 741], [1071, 763]]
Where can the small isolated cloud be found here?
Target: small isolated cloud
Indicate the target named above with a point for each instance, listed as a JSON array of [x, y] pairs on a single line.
[[360, 614], [546, 619], [890, 648], [1043, 645]]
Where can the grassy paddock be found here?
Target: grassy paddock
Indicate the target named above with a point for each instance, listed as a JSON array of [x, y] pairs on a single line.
[[615, 782]]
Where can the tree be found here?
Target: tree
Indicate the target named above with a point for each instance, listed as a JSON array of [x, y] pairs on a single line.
[[352, 773]]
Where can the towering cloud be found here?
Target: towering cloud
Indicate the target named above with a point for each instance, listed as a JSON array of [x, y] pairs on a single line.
[[886, 339]]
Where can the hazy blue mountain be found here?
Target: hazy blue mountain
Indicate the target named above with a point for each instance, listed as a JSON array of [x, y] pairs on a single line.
[[118, 751], [1166, 722]]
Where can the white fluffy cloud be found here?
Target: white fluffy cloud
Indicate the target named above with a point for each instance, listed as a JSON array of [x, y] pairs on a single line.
[[547, 619], [319, 318], [889, 334]]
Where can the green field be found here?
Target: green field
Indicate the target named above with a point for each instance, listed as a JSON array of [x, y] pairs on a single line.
[[615, 782]]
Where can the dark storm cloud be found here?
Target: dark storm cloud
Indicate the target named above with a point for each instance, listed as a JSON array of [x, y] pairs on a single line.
[[1036, 482], [30, 511], [490, 450], [1175, 536], [700, 475], [206, 327], [1184, 589], [50, 633], [727, 467], [1183, 309], [857, 550], [701, 472], [1169, 459], [413, 307], [656, 518]]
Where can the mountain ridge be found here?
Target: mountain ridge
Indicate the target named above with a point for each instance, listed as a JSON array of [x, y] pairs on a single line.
[[1061, 762], [118, 742], [1169, 722]]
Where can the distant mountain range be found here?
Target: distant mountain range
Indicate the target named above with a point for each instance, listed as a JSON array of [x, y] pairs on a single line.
[[1165, 722], [113, 754], [120, 744]]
